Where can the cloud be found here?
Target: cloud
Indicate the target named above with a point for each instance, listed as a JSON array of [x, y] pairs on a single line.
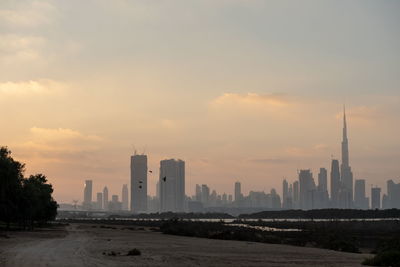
[[17, 49], [58, 144], [251, 99], [361, 114], [29, 88], [28, 15], [270, 161]]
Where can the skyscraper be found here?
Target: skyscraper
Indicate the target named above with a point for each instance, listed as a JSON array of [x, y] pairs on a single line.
[[345, 169], [307, 189], [393, 193], [87, 194], [105, 198], [238, 191], [360, 200], [296, 202], [125, 201], [323, 180], [205, 194], [375, 198], [99, 203], [285, 194], [198, 193], [139, 183], [335, 183], [172, 185]]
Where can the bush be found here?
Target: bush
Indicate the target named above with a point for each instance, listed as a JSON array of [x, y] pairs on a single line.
[[134, 252], [385, 258]]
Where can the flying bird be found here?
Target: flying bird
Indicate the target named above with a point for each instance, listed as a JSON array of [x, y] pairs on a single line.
[[165, 178], [140, 186], [150, 171]]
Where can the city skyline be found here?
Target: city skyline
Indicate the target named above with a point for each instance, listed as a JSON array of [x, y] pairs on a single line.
[[240, 90]]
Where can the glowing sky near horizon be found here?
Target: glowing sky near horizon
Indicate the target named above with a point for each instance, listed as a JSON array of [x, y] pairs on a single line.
[[240, 90]]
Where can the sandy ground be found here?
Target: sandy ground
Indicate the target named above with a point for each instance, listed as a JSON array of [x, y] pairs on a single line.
[[85, 245]]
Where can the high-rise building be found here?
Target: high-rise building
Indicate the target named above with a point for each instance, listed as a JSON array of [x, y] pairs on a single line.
[[335, 183], [198, 193], [286, 200], [345, 169], [125, 198], [87, 194], [172, 185], [139, 183], [238, 192], [323, 180], [296, 191], [307, 190], [360, 200], [99, 203], [375, 198], [105, 198], [393, 194], [205, 194]]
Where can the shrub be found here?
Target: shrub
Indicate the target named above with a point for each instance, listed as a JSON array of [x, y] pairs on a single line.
[[385, 258], [134, 252]]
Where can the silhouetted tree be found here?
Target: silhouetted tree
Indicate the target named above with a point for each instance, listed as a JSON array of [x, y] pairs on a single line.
[[11, 176], [23, 200]]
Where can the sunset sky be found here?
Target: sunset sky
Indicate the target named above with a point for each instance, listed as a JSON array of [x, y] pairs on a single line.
[[241, 90]]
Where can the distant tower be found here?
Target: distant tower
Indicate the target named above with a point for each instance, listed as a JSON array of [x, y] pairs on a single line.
[[360, 200], [375, 198], [172, 185], [345, 169], [139, 183], [238, 191], [99, 204], [335, 183], [323, 180], [125, 201], [87, 194], [105, 198]]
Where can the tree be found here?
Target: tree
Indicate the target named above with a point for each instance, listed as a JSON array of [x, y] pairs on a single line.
[[11, 176], [23, 200], [37, 203]]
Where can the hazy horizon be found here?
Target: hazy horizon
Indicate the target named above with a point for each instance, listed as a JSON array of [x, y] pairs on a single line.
[[244, 91]]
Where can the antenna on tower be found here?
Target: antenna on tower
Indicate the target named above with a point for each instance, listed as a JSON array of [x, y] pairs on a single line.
[[134, 149]]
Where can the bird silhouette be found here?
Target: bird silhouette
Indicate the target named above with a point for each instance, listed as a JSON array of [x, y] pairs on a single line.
[[165, 178], [140, 186], [140, 182], [150, 171]]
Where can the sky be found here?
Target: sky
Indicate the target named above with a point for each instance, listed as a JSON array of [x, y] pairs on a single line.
[[246, 91]]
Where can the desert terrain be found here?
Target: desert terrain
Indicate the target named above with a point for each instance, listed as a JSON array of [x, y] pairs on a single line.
[[95, 245]]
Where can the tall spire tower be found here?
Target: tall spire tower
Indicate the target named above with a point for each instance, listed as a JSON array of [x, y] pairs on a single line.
[[345, 141], [346, 198]]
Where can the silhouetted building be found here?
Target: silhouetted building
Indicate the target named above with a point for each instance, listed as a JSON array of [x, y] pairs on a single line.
[[172, 185], [323, 180], [296, 192], [360, 200], [205, 194], [115, 205], [125, 197], [99, 203], [335, 183], [345, 170], [307, 190], [375, 198], [105, 198], [139, 183], [238, 192], [198, 193], [87, 194], [393, 194]]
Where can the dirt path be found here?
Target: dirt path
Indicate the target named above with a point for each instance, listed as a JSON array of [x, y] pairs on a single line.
[[87, 245]]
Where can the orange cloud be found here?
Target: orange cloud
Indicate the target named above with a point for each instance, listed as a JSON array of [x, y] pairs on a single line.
[[250, 99], [28, 88]]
